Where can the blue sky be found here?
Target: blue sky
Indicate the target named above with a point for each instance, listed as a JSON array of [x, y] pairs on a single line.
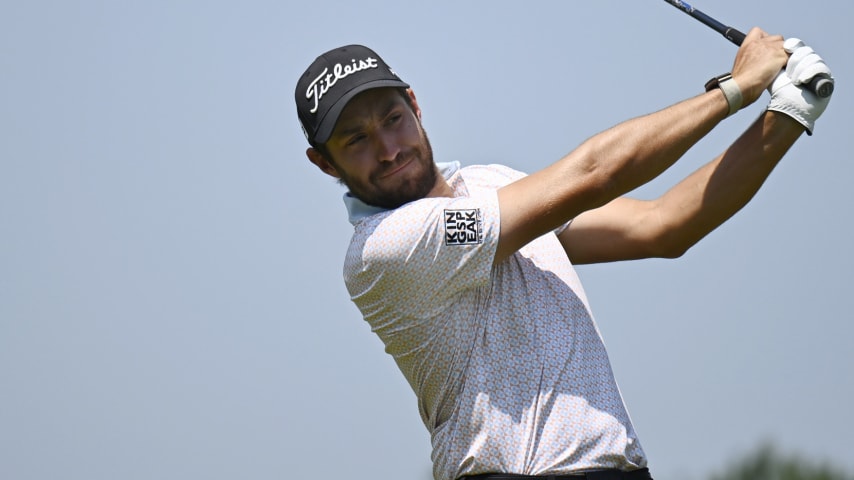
[[171, 296]]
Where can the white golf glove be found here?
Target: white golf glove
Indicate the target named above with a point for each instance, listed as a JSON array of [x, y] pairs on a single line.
[[788, 92]]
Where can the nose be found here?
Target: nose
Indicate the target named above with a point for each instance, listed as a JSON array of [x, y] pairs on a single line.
[[387, 147]]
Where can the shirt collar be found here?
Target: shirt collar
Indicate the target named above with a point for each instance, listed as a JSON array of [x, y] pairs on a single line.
[[359, 210]]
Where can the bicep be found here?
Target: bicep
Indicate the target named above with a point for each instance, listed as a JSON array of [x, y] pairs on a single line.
[[623, 229]]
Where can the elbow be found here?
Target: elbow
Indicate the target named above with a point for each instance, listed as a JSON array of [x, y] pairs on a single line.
[[660, 249], [600, 181], [602, 186], [669, 233], [673, 253], [672, 246]]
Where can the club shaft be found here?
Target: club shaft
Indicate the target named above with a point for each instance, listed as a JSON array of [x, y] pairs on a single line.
[[820, 85], [730, 33]]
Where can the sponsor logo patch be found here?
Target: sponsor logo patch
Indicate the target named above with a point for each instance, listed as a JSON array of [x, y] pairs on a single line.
[[463, 227]]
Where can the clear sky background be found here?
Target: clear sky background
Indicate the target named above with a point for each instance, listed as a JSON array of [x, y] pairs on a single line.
[[171, 295]]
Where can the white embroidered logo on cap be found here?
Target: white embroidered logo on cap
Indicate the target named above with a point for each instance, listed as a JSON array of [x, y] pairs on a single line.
[[318, 88]]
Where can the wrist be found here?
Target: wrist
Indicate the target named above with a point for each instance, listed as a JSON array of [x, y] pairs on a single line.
[[781, 125], [729, 87]]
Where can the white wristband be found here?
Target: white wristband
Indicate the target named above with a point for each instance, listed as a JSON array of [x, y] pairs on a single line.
[[730, 89]]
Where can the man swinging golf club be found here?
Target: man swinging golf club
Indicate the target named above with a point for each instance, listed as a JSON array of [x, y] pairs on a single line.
[[466, 274]]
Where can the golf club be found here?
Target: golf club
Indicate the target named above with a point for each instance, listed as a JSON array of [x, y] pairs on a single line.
[[820, 85]]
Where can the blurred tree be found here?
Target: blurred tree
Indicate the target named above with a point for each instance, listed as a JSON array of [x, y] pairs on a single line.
[[768, 464]]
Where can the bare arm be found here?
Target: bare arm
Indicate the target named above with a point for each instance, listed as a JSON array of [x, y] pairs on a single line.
[[626, 229], [624, 157], [604, 167]]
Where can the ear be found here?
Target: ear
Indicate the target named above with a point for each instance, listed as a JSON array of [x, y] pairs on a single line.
[[415, 106], [317, 158]]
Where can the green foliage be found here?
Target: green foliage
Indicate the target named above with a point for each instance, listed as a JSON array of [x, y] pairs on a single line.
[[768, 464]]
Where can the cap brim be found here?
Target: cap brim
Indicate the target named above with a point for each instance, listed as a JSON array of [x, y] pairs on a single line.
[[327, 125]]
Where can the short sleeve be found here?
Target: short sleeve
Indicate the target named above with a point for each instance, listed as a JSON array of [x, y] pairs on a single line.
[[416, 259]]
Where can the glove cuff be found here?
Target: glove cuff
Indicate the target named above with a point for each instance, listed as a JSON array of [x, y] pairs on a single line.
[[792, 112]]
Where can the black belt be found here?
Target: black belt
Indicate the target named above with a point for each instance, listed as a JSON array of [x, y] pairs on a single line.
[[640, 474]]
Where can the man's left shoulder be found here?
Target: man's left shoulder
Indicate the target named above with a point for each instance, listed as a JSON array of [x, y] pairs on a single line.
[[493, 174]]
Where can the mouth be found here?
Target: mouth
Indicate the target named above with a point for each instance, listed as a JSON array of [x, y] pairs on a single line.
[[405, 163]]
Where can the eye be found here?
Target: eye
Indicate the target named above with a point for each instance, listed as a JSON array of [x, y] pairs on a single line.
[[355, 139], [394, 118]]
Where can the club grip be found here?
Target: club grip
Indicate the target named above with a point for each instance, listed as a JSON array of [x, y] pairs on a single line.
[[734, 36], [821, 85]]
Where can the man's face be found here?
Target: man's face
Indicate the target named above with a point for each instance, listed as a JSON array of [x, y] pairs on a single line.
[[379, 150]]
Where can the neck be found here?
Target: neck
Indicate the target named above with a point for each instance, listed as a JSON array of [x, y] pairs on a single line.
[[441, 189]]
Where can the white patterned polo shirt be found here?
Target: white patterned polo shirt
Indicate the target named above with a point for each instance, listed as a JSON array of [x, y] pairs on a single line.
[[507, 363]]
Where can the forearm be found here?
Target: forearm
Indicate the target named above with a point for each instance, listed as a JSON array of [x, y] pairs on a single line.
[[715, 192], [631, 154], [635, 152], [603, 168]]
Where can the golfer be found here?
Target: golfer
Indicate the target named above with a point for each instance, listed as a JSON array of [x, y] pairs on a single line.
[[466, 274]]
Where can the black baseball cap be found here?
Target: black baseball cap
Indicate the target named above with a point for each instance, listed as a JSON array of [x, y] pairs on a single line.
[[333, 80]]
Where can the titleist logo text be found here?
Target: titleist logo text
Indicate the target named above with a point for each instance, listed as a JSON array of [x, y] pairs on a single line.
[[318, 88]]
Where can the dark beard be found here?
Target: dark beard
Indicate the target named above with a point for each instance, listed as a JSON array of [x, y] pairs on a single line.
[[413, 189]]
